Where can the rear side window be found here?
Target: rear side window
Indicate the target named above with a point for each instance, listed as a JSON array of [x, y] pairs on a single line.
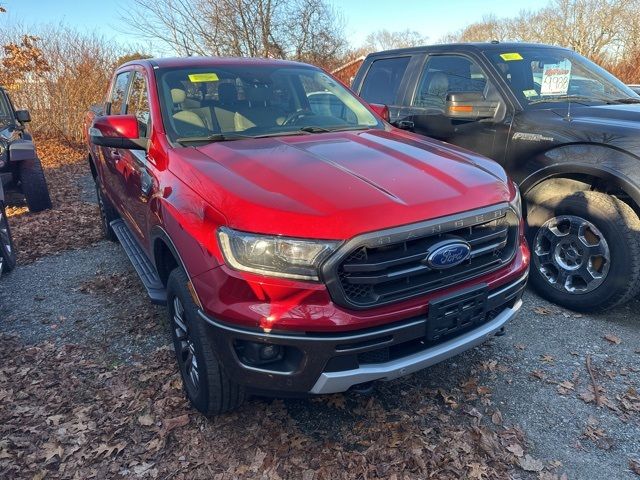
[[139, 102], [119, 93], [383, 80]]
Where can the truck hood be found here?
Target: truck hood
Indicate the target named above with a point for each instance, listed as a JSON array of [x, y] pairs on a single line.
[[620, 116], [337, 185]]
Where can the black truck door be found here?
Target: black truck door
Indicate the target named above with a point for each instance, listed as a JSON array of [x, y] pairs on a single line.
[[425, 105]]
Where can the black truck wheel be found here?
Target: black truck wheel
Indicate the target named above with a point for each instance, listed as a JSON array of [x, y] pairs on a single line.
[[34, 185], [7, 251], [107, 214], [585, 250], [208, 387]]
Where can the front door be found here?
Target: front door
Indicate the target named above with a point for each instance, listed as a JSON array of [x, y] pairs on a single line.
[[426, 110], [139, 178]]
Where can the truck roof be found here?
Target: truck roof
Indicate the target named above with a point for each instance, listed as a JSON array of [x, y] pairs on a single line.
[[461, 47], [172, 62]]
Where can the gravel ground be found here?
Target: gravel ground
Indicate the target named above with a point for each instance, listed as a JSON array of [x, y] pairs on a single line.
[[91, 296]]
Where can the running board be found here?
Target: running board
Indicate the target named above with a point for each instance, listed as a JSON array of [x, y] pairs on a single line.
[[142, 264]]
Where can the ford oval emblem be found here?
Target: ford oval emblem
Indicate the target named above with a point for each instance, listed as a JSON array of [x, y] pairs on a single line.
[[448, 254]]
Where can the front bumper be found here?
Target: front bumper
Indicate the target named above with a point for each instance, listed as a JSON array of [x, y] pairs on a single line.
[[320, 363]]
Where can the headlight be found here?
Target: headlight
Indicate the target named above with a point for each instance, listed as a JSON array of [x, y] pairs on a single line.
[[516, 202], [274, 255]]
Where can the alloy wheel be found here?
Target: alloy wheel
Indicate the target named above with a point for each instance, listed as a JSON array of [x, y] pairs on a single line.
[[572, 254], [185, 349]]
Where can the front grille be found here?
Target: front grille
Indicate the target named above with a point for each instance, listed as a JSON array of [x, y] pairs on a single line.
[[388, 266]]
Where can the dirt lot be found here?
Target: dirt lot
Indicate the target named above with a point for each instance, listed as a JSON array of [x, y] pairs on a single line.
[[88, 386]]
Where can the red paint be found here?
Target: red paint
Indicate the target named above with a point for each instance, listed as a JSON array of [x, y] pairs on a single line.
[[325, 186], [117, 126], [381, 110]]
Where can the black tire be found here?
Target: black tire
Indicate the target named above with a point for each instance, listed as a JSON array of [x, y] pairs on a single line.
[[607, 252], [34, 185], [215, 393], [7, 250], [107, 214]]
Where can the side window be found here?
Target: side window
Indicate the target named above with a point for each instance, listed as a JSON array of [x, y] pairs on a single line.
[[383, 80], [138, 104], [118, 94], [447, 73]]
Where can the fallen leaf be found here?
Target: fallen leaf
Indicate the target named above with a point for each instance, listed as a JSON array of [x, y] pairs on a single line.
[[173, 423], [530, 464], [611, 338], [516, 450], [146, 420], [547, 358], [542, 310], [496, 418], [634, 465]]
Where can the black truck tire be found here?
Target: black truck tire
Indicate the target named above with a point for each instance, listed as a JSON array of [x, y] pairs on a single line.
[[585, 251], [107, 214], [7, 250], [211, 392], [34, 185]]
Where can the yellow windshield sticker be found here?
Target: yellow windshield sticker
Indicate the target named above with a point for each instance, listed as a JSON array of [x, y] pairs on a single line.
[[530, 93], [203, 77], [509, 57]]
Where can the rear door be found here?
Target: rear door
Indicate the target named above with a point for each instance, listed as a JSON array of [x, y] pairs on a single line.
[[138, 172], [385, 81]]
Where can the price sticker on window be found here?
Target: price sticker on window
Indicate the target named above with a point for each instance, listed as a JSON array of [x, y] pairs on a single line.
[[555, 78]]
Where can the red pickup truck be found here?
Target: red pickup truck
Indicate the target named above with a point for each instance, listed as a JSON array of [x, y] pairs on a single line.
[[301, 244]]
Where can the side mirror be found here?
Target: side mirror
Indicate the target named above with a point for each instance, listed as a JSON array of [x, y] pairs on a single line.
[[381, 110], [23, 116], [117, 131], [469, 106]]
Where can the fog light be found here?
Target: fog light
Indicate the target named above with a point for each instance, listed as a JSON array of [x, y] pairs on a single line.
[[269, 352], [254, 353]]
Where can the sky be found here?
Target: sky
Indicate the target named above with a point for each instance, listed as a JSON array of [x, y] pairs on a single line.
[[432, 18]]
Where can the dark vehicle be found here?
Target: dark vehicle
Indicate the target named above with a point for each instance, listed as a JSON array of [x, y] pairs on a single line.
[[7, 252], [20, 167], [565, 129]]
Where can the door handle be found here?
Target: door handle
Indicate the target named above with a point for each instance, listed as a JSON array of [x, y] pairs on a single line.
[[116, 155]]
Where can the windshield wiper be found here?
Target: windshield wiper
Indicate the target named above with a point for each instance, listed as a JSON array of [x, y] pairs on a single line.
[[314, 129], [626, 100], [569, 98], [216, 137]]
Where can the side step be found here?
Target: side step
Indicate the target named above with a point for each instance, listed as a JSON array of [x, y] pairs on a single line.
[[141, 263]]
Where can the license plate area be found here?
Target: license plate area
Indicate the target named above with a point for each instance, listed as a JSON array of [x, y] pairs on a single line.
[[450, 315]]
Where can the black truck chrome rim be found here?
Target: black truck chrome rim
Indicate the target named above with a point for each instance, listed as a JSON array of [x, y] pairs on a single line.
[[572, 254], [185, 349]]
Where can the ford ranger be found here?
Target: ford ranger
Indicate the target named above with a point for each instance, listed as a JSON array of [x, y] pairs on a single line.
[[302, 245], [565, 129]]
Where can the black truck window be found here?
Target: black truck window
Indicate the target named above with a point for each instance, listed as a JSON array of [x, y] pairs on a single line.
[[447, 73], [383, 80]]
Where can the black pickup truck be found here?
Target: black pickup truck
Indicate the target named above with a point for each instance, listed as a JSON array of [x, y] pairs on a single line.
[[20, 167], [565, 129]]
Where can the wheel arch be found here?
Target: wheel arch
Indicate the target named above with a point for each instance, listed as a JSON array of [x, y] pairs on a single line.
[[569, 178]]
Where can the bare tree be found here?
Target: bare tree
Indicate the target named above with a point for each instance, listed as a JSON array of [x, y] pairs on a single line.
[[599, 29], [386, 40], [308, 30]]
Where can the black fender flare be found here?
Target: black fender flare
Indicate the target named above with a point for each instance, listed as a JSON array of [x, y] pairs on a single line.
[[615, 167], [22, 150]]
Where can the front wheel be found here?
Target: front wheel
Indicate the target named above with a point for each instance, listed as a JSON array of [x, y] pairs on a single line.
[[7, 251], [585, 251], [206, 384]]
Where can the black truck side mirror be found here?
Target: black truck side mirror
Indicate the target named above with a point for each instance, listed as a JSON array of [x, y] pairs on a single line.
[[23, 116], [469, 106]]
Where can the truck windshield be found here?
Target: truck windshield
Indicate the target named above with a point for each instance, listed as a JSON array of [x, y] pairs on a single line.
[[546, 75], [227, 102]]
